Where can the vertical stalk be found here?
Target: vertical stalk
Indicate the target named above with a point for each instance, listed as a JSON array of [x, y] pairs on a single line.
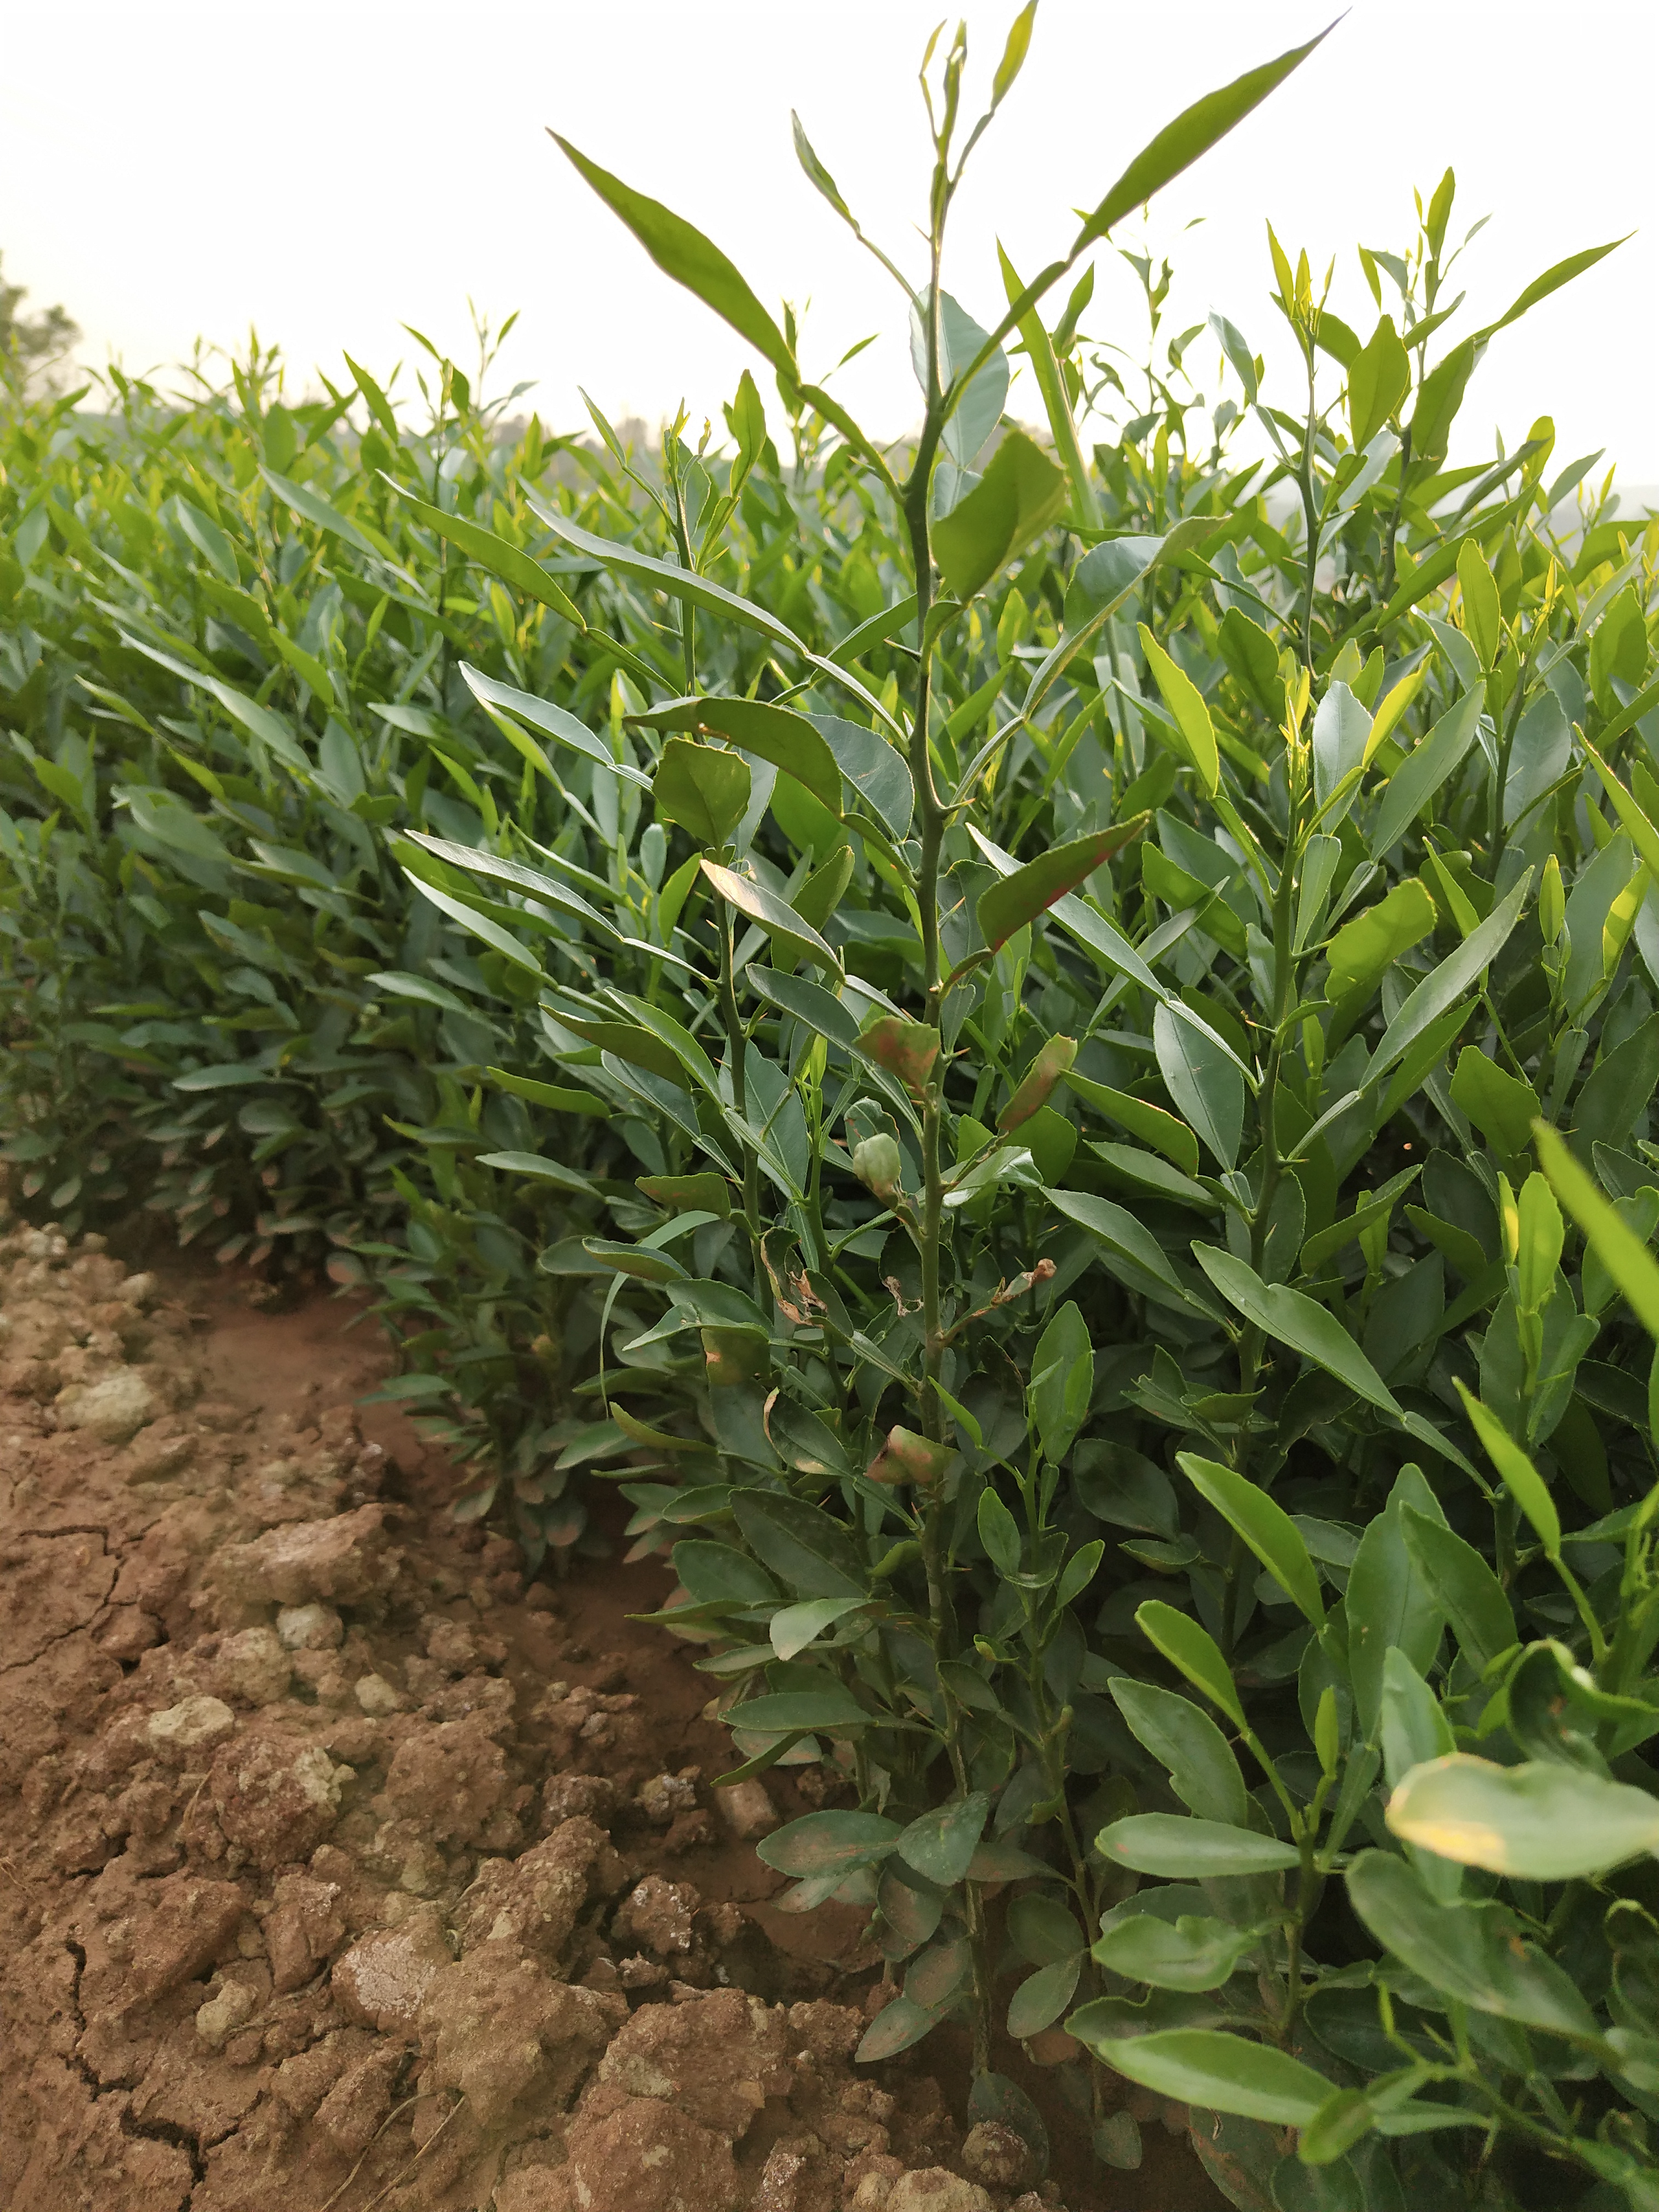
[[737, 1041], [1251, 1344], [1392, 532], [1310, 514], [941, 1616]]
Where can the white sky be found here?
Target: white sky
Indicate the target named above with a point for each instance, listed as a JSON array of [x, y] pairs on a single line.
[[327, 172]]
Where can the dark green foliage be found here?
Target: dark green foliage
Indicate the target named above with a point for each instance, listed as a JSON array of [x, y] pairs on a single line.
[[975, 1030]]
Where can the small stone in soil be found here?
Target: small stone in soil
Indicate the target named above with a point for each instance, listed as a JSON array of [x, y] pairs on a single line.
[[376, 1696], [666, 1796], [936, 2189], [310, 1628], [253, 1665], [190, 1725], [747, 1809], [217, 2021], [996, 2156]]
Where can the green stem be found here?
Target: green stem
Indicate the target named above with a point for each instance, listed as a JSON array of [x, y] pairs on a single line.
[[1391, 534], [1310, 521], [738, 1044]]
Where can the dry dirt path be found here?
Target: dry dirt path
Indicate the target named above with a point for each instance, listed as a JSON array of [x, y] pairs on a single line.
[[339, 1870]]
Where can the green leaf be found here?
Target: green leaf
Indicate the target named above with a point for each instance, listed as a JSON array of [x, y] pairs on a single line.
[[640, 1261], [1043, 1996], [1431, 763], [1190, 1849], [808, 1002], [794, 1626], [479, 861], [664, 576], [510, 563], [703, 787], [1151, 1124], [1056, 401], [999, 1531], [681, 251], [1362, 948], [1180, 143], [1203, 1078], [1265, 1526], [1438, 398], [976, 401], [227, 1078], [900, 2023], [1298, 1320], [540, 1170], [1080, 1571], [1620, 1251], [828, 1843], [1464, 1585], [1379, 378], [1074, 913], [1553, 279], [1020, 495], [1387, 1604], [1441, 990], [1014, 51], [773, 733], [1192, 717], [1327, 1242], [775, 917], [1501, 1106], [500, 939], [1133, 1253], [509, 707], [1219, 2072], [210, 541], [877, 770], [911, 1910], [1615, 1096], [1044, 1932], [942, 1972], [1203, 1771], [64, 787], [1193, 1650], [261, 722], [940, 1844], [705, 1192], [1521, 1478], [637, 1046], [808, 1550], [833, 1710], [1472, 1953], [719, 1574], [1483, 620], [1340, 731], [1194, 1953], [1540, 1237], [1062, 1383], [1009, 905], [557, 1097], [312, 508], [1414, 1729], [1642, 832], [1541, 1822]]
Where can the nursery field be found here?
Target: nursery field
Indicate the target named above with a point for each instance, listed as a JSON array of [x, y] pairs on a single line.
[[828, 1327]]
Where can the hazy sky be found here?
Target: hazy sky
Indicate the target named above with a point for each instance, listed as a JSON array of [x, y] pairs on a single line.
[[328, 171]]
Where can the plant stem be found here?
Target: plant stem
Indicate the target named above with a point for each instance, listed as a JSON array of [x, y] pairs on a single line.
[[1310, 521], [1386, 586], [738, 1045]]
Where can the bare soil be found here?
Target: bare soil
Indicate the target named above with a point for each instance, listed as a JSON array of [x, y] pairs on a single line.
[[339, 1869]]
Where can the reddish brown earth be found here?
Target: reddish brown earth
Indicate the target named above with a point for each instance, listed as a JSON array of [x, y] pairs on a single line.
[[339, 1870]]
